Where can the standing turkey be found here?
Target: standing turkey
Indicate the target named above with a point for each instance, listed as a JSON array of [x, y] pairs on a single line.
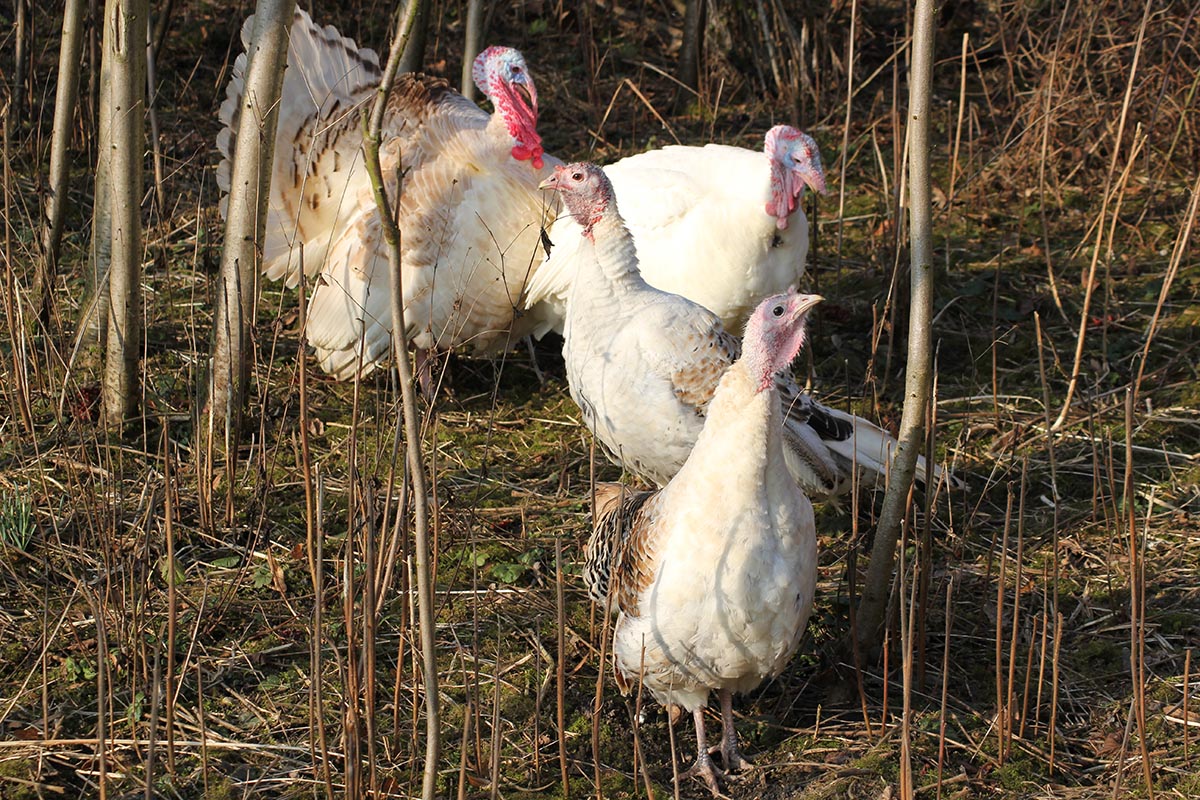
[[713, 575], [720, 225], [469, 210], [642, 364]]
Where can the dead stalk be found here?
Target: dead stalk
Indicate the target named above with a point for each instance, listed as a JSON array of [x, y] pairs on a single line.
[[845, 154], [494, 744], [949, 614], [1090, 280], [907, 620], [462, 755], [1177, 253], [172, 589], [1053, 732], [962, 101], [1001, 574], [1187, 702], [1050, 452], [1009, 695], [370, 621], [317, 705], [1137, 597], [560, 666]]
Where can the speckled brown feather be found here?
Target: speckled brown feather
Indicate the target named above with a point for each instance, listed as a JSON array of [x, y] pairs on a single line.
[[415, 95], [620, 560], [714, 350]]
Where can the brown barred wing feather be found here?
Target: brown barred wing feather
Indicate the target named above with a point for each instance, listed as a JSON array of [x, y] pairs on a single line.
[[619, 560]]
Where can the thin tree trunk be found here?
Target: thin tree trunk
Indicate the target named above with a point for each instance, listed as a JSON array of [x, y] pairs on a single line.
[[94, 70], [246, 217], [69, 59], [471, 46], [125, 48], [689, 52], [920, 350], [93, 325], [412, 422], [416, 16], [22, 56], [161, 26]]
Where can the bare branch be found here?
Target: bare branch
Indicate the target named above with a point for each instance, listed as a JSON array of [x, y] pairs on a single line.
[[920, 350], [412, 422]]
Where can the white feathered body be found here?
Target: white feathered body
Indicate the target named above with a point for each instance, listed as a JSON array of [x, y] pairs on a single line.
[[469, 214], [623, 372], [698, 219], [735, 544], [643, 363]]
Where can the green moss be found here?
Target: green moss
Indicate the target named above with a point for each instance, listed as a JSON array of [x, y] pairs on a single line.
[[220, 788], [1018, 771], [882, 761], [12, 789]]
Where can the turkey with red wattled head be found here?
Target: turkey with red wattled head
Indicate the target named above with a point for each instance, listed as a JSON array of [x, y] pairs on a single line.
[[723, 226], [469, 210]]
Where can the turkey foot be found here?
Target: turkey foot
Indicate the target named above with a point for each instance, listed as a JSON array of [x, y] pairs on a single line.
[[704, 768], [731, 755]]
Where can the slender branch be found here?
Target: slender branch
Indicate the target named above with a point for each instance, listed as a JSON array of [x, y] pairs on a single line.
[[920, 350], [412, 422], [1081, 339], [474, 32]]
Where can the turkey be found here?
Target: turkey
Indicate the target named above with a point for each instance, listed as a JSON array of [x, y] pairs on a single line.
[[642, 364], [720, 225], [469, 210], [713, 576]]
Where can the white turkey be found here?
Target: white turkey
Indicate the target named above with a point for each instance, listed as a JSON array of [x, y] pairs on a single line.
[[642, 364], [713, 575], [469, 210], [720, 225]]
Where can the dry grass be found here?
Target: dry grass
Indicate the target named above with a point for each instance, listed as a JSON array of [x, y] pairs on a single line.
[[173, 627]]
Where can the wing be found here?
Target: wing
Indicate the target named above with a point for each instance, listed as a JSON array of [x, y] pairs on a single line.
[[349, 315], [826, 445], [328, 81], [620, 559], [696, 354], [471, 219]]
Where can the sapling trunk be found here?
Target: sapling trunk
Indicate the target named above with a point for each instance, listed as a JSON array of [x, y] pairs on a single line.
[[920, 348], [413, 20], [70, 56], [125, 49], [245, 221]]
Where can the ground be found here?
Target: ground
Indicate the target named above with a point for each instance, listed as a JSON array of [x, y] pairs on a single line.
[[1050, 606]]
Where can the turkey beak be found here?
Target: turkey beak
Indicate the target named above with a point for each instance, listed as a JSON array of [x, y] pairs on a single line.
[[806, 304], [522, 86], [813, 177], [549, 183]]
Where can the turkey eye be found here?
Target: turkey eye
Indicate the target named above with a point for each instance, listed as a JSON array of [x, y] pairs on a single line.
[[777, 311], [578, 176]]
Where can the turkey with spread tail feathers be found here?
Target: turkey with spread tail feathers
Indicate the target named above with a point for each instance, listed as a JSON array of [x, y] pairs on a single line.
[[642, 364], [720, 225], [713, 576], [469, 210]]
